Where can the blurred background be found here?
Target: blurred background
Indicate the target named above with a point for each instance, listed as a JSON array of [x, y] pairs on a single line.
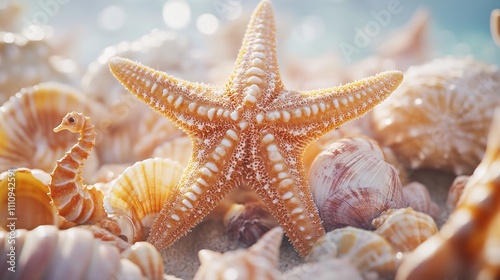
[[305, 28]]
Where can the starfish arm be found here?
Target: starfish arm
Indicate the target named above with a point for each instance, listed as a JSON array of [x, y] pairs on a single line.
[[280, 183], [211, 173], [192, 106], [255, 78], [310, 114]]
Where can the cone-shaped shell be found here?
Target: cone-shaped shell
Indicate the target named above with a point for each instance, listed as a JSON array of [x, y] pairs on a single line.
[[257, 262], [23, 196], [140, 191], [352, 184], [26, 136], [405, 228], [366, 250]]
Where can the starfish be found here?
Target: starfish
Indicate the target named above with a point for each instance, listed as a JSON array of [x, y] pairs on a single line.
[[250, 132]]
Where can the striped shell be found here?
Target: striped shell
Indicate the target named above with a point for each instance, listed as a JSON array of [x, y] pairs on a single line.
[[178, 149], [440, 114], [48, 253], [24, 192], [257, 262], [352, 184], [456, 190], [468, 244], [147, 258], [27, 119], [139, 193], [405, 229], [366, 250], [332, 269], [417, 196]]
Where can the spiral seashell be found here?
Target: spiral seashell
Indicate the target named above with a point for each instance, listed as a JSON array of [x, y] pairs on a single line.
[[27, 121], [147, 258], [467, 245], [257, 262], [417, 196], [352, 184], [456, 190], [178, 149], [23, 196], [48, 253], [139, 193], [439, 116], [331, 269], [495, 25], [248, 222], [30, 62], [366, 250], [404, 228]]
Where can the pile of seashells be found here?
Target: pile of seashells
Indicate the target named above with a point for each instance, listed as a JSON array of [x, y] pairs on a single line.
[[93, 199]]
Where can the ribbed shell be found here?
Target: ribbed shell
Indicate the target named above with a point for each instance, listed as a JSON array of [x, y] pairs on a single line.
[[257, 262], [178, 149], [352, 184], [49, 253], [139, 193], [405, 229], [366, 250], [29, 202], [417, 196], [27, 120], [456, 190], [440, 114], [147, 258]]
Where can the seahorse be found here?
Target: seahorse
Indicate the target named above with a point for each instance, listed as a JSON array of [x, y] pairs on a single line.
[[76, 201]]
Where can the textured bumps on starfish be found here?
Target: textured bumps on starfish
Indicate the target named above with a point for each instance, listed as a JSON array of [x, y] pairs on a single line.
[[250, 132]]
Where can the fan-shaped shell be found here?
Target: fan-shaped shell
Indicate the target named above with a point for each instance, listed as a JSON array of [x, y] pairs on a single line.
[[27, 119], [48, 253], [440, 114], [147, 258], [257, 262], [405, 229], [178, 149], [352, 184], [23, 196], [417, 196], [366, 250], [140, 192]]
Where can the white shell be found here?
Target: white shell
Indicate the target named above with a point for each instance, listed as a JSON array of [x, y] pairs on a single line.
[[332, 269], [440, 114]]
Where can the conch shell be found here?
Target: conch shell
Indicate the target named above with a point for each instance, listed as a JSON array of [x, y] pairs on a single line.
[[469, 242], [352, 184], [257, 262]]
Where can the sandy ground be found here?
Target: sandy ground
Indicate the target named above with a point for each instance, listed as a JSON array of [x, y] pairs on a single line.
[[181, 260]]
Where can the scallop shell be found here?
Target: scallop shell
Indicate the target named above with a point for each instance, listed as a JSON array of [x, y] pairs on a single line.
[[178, 149], [248, 222], [405, 229], [48, 253], [417, 196], [30, 62], [456, 190], [440, 114], [366, 250], [352, 184], [467, 245], [23, 194], [257, 262], [139, 193], [495, 26], [27, 119], [332, 269]]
